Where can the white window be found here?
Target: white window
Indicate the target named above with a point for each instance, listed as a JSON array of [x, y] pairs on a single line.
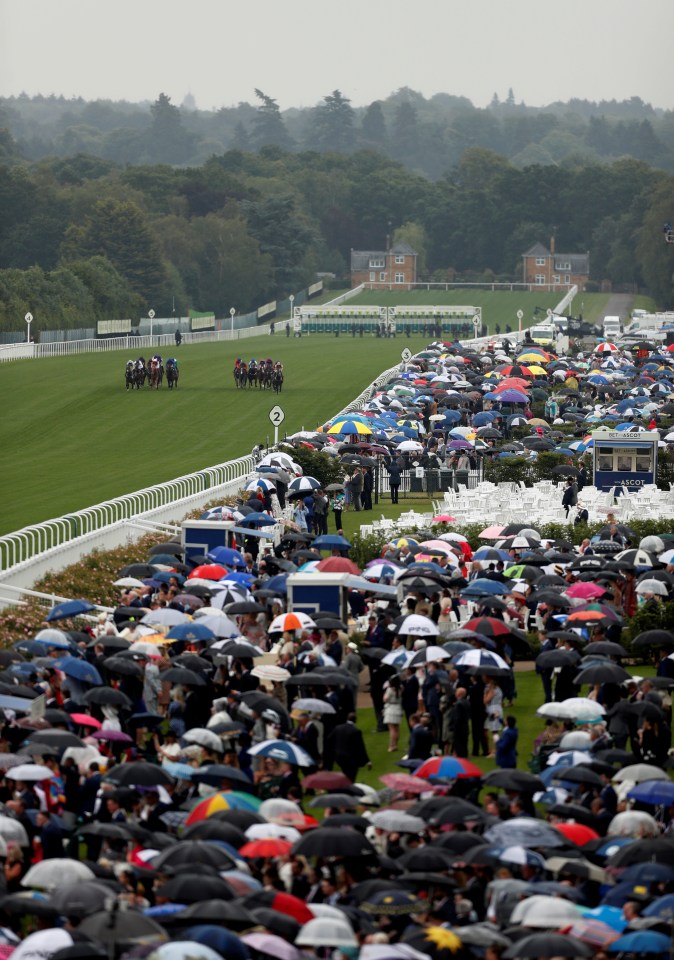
[[567, 278], [382, 276], [540, 261], [540, 278], [562, 266], [556, 278], [400, 278], [400, 258], [377, 262], [373, 276]]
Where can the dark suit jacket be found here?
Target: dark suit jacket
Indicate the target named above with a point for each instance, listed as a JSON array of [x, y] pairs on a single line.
[[349, 744]]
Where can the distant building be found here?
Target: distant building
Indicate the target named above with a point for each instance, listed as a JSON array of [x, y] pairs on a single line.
[[546, 268], [394, 267]]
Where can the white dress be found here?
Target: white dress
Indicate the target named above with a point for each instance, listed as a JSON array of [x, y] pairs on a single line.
[[494, 709]]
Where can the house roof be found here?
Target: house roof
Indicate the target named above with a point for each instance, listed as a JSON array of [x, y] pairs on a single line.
[[579, 263], [360, 259], [538, 250]]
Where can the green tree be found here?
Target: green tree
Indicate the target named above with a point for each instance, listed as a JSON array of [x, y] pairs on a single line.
[[283, 236], [414, 234], [333, 124], [168, 140], [231, 269], [268, 126], [373, 129], [110, 293]]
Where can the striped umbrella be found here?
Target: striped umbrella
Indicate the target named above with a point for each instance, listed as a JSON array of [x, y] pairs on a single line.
[[224, 800]]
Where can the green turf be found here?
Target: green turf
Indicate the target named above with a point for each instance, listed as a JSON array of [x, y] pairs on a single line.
[[73, 436]]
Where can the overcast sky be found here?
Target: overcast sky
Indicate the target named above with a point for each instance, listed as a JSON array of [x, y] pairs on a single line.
[[299, 51]]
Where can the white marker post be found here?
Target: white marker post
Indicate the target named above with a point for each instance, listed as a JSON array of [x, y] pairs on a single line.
[[29, 319], [520, 317], [150, 314], [477, 324], [276, 416]]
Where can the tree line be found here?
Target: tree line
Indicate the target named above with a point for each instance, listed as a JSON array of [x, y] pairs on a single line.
[[83, 238]]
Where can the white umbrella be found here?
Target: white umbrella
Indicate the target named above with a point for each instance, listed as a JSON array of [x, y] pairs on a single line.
[[280, 831], [411, 445], [638, 772], [13, 831], [652, 544], [575, 740], [57, 872], [278, 810], [418, 626], [204, 738], [480, 658], [269, 671], [572, 757], [42, 944], [397, 821], [656, 587], [312, 705], [428, 655], [128, 582], [398, 658], [575, 708], [545, 913], [326, 932], [633, 823], [29, 773], [291, 621], [166, 616]]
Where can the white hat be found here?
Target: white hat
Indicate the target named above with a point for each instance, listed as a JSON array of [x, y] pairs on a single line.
[[521, 587], [352, 646]]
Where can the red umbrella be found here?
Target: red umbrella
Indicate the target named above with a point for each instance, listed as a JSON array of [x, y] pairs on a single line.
[[447, 768], [326, 780], [338, 565], [577, 833], [405, 782], [267, 847], [85, 720], [281, 903], [209, 571], [488, 627]]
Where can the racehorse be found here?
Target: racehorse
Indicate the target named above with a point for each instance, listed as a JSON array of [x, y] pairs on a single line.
[[172, 373], [130, 375], [241, 376], [252, 374], [156, 371], [277, 380], [140, 372], [265, 375]]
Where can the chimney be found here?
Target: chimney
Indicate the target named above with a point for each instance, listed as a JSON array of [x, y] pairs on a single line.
[[552, 245]]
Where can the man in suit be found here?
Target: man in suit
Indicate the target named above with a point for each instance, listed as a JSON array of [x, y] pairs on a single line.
[[461, 722], [349, 748]]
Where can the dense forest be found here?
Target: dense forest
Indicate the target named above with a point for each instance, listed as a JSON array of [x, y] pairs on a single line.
[[111, 208]]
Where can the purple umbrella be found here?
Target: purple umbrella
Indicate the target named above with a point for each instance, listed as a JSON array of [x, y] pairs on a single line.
[[114, 736], [459, 445]]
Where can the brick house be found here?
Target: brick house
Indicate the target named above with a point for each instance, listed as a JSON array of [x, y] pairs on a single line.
[[546, 268], [397, 266]]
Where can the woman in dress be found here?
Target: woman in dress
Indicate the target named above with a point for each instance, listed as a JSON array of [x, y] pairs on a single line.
[[493, 704], [393, 712]]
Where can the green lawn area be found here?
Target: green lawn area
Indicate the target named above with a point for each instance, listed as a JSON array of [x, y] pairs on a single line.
[[73, 436]]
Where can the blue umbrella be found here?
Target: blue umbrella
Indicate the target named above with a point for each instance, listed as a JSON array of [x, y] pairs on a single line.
[[481, 419], [69, 608], [492, 554], [227, 556], [80, 670], [278, 583], [181, 771], [642, 941], [190, 632], [649, 873], [283, 750], [163, 576], [31, 647], [330, 541], [240, 577], [483, 587], [618, 895], [656, 792], [257, 519], [663, 907], [55, 644]]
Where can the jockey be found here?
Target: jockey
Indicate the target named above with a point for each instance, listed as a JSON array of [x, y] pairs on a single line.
[[252, 364], [140, 365], [172, 362], [237, 363]]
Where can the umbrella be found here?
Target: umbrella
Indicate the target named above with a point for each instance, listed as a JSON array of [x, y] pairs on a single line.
[[404, 782], [121, 926], [79, 670], [56, 872], [107, 696], [69, 608], [313, 705], [524, 831], [397, 821], [602, 673], [390, 903], [547, 913], [224, 800], [291, 621], [29, 773], [333, 842], [56, 738], [271, 945], [642, 942], [548, 945], [447, 768], [653, 792], [326, 780], [138, 773], [638, 772], [269, 847], [79, 899], [326, 932], [279, 902], [284, 750]]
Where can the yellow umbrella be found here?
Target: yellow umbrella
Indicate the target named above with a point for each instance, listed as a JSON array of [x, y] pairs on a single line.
[[350, 427]]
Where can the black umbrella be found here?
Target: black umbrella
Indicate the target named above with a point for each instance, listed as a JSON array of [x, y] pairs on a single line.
[[216, 830], [457, 841], [514, 780], [606, 648], [215, 773], [581, 774], [240, 818], [172, 547], [660, 850], [572, 811], [193, 661], [607, 672], [654, 638], [183, 676], [226, 913], [244, 606], [139, 570], [194, 887], [274, 921], [189, 852], [107, 696], [333, 842], [139, 773], [123, 667], [557, 658], [347, 820], [438, 811], [56, 738], [111, 831], [427, 859], [80, 899], [264, 703], [548, 945], [121, 926]]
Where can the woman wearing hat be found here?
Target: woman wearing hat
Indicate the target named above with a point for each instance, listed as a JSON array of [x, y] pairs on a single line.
[[393, 712]]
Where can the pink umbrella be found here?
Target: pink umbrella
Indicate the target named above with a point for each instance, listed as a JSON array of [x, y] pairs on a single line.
[[585, 590], [405, 782], [444, 518], [85, 720], [491, 533]]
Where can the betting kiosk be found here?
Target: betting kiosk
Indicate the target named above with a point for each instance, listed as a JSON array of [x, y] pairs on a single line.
[[625, 459]]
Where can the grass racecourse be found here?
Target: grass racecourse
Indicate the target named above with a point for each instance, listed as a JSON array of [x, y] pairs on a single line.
[[72, 436]]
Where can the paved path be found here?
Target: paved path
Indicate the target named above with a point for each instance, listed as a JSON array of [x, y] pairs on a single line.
[[618, 305]]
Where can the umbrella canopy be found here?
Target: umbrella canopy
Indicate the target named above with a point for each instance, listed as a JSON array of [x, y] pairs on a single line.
[[333, 842], [524, 831], [547, 945], [284, 750], [69, 608], [56, 872]]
